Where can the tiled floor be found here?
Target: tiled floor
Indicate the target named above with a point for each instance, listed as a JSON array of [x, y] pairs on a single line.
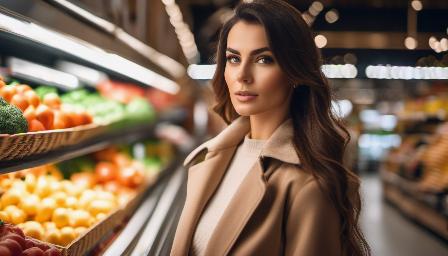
[[388, 232]]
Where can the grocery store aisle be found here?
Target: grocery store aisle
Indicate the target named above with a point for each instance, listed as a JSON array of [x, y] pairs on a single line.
[[388, 232]]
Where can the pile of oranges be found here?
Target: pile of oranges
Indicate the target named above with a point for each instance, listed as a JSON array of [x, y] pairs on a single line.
[[42, 114]]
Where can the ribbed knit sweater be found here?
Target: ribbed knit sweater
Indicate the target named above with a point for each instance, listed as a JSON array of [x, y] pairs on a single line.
[[245, 157]]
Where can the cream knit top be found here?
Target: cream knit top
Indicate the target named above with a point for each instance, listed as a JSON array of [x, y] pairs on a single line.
[[245, 157]]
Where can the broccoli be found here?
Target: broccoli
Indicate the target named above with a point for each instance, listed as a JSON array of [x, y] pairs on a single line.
[[12, 120]]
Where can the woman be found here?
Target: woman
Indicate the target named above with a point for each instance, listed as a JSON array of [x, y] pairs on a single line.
[[273, 182]]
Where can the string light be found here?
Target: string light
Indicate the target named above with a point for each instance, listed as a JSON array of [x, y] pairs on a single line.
[[406, 72], [410, 43], [417, 5], [320, 41]]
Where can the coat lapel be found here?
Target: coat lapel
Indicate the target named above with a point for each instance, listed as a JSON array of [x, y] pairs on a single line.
[[203, 179], [238, 212]]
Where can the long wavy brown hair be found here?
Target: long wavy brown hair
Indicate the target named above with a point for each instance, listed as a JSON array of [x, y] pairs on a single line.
[[320, 138]]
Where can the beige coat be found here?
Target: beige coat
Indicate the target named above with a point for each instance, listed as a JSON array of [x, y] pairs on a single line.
[[278, 210]]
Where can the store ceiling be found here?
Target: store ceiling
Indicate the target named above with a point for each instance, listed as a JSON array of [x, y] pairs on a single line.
[[363, 26]]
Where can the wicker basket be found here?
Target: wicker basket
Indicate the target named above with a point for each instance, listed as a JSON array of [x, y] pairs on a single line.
[[19, 146]]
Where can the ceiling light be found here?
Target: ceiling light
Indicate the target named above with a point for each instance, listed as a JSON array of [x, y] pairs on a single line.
[[320, 41]]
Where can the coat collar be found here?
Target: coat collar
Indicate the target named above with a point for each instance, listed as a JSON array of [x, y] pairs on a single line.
[[204, 178], [279, 146]]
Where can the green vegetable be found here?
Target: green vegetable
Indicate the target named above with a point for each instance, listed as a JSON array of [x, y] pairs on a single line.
[[41, 91], [140, 109], [3, 102], [12, 120]]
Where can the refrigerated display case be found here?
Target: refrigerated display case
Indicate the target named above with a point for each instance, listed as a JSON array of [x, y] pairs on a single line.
[[35, 54]]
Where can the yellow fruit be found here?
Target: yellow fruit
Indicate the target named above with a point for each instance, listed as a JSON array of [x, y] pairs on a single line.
[[53, 236], [11, 208], [100, 206], [69, 188], [43, 188], [55, 186], [80, 218], [71, 202], [59, 198], [49, 225], [61, 217], [45, 209], [104, 195], [30, 182], [86, 197], [4, 216], [67, 235], [19, 185], [11, 197], [79, 231], [100, 216], [17, 217], [33, 229], [30, 204]]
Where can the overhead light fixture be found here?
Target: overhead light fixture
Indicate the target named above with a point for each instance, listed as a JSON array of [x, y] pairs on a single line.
[[40, 74], [86, 75], [406, 72], [321, 41], [183, 32], [417, 5], [332, 16], [410, 43], [340, 71], [206, 72], [88, 53]]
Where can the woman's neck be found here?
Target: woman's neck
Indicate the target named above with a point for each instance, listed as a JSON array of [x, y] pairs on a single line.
[[262, 126]]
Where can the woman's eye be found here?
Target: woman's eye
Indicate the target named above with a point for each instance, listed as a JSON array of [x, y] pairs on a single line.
[[232, 59], [265, 60]]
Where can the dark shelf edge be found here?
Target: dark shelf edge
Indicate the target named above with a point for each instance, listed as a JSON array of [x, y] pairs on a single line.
[[127, 135]]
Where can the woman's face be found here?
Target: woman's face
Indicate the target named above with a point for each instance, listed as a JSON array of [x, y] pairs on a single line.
[[256, 83]]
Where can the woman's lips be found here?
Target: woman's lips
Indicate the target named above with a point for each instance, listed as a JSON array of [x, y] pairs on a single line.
[[245, 96]]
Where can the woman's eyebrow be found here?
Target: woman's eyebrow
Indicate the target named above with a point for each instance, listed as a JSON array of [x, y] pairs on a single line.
[[254, 52]]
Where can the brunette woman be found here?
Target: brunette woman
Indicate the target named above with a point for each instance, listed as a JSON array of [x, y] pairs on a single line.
[[273, 182]]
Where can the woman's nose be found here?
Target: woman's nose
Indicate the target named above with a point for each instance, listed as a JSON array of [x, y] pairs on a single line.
[[244, 74]]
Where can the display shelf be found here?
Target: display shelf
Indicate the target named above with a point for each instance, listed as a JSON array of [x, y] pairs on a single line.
[[416, 210], [19, 36], [425, 208], [125, 135], [151, 228], [410, 189]]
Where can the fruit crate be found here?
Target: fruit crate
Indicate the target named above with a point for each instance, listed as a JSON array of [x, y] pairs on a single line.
[[96, 233], [19, 146]]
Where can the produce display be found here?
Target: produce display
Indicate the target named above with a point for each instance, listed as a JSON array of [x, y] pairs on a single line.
[[14, 242], [24, 109], [58, 203]]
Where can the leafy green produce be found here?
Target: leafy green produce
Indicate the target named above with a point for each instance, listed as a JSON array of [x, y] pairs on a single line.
[[12, 120], [43, 90], [140, 109], [80, 164]]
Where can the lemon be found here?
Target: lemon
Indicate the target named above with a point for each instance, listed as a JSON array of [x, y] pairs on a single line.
[[33, 229], [4, 216], [60, 217], [30, 204], [53, 236], [30, 182], [80, 218], [18, 216], [100, 206], [67, 235], [11, 197], [79, 231], [45, 209], [43, 188], [60, 198], [71, 202]]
